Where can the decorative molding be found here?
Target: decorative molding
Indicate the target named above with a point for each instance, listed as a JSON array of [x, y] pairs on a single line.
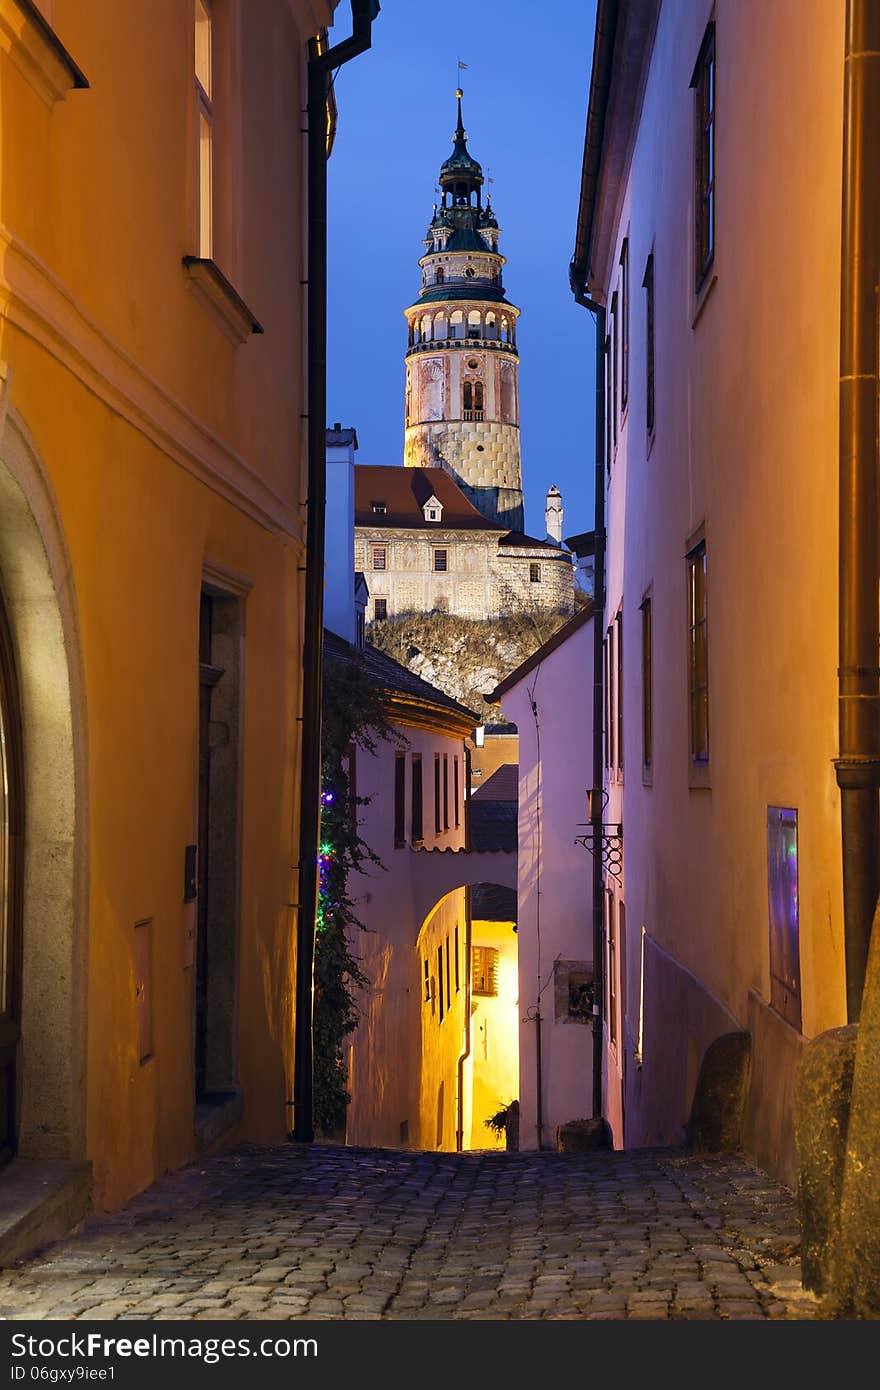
[[230, 581], [37, 52], [209, 283], [34, 299]]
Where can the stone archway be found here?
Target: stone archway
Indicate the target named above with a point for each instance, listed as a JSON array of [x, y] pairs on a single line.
[[37, 583]]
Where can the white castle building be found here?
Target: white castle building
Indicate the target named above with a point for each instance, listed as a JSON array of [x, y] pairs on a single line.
[[446, 531]]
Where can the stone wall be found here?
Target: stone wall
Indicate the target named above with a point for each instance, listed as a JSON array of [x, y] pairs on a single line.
[[480, 581]]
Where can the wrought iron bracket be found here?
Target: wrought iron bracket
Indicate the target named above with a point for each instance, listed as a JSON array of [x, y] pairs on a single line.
[[603, 837]]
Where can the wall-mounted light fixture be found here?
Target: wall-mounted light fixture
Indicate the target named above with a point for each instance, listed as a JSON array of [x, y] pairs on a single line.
[[603, 837]]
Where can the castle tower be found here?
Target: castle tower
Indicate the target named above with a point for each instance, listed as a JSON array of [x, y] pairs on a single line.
[[462, 392], [553, 514]]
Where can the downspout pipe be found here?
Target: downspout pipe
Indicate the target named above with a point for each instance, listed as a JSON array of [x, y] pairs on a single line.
[[320, 66], [598, 312], [858, 763]]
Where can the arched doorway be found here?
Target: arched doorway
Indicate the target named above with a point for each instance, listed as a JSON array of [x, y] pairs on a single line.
[[46, 918], [11, 872]]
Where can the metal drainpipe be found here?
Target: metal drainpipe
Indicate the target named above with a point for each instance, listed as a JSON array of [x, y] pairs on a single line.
[[858, 766], [598, 312], [319, 68]]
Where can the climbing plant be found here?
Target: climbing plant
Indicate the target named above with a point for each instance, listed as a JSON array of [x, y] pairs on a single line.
[[353, 715]]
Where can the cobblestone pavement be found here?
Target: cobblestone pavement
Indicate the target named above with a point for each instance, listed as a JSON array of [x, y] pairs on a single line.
[[330, 1232]]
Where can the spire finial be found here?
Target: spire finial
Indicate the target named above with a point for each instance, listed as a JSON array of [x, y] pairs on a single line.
[[459, 136]]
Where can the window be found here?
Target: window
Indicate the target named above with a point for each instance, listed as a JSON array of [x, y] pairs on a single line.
[[437, 794], [426, 979], [380, 609], [440, 561], [612, 967], [457, 981], [456, 324], [618, 623], [204, 87], [448, 977], [455, 792], [485, 970], [703, 83], [378, 557], [417, 828], [431, 513], [782, 876], [648, 284], [608, 368], [380, 509], [607, 703], [475, 328], [624, 326], [445, 791], [534, 573], [360, 625], [615, 359], [647, 692], [440, 275], [478, 400], [399, 799], [612, 693], [698, 655], [440, 979], [467, 395]]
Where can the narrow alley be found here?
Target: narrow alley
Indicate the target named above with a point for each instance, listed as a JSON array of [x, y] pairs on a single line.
[[328, 1232]]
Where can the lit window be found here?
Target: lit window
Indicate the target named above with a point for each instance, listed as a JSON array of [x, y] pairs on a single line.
[[534, 574], [485, 970], [698, 655], [204, 88], [782, 865], [378, 557], [703, 83], [441, 561], [379, 508]]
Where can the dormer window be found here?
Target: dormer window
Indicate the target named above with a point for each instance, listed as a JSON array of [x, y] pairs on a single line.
[[433, 510], [379, 508]]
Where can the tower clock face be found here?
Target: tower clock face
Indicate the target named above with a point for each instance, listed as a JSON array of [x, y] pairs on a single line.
[[470, 272]]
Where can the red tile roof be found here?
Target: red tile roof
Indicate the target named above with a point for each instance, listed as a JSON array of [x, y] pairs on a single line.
[[404, 491]]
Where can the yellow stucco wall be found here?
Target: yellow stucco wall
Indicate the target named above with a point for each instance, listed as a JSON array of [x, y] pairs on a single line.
[[443, 1028], [495, 1024], [167, 447]]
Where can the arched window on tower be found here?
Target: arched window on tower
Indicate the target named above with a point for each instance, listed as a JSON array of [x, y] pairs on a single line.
[[505, 333], [426, 328], [440, 275], [441, 329], [491, 326], [412, 334], [456, 325], [478, 400], [468, 401], [474, 324]]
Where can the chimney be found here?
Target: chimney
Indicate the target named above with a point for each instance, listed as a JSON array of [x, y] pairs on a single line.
[[553, 515]]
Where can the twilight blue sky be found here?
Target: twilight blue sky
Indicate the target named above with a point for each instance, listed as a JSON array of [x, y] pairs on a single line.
[[525, 101]]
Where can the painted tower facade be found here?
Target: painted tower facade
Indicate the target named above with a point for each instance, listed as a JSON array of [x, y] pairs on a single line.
[[462, 391]]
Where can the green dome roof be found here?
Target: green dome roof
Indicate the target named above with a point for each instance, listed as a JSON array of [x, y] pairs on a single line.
[[460, 164]]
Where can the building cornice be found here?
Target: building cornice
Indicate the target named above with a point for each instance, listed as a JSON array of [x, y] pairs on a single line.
[[36, 302], [422, 714], [623, 43]]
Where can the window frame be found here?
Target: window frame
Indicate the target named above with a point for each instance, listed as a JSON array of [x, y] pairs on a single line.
[[698, 654], [705, 86], [650, 362], [647, 612], [205, 129], [624, 325], [436, 552]]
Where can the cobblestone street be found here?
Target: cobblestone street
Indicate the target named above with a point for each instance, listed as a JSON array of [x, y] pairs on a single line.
[[331, 1232]]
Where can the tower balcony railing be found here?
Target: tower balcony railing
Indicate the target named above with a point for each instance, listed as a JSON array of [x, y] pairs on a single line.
[[493, 344], [473, 415]]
